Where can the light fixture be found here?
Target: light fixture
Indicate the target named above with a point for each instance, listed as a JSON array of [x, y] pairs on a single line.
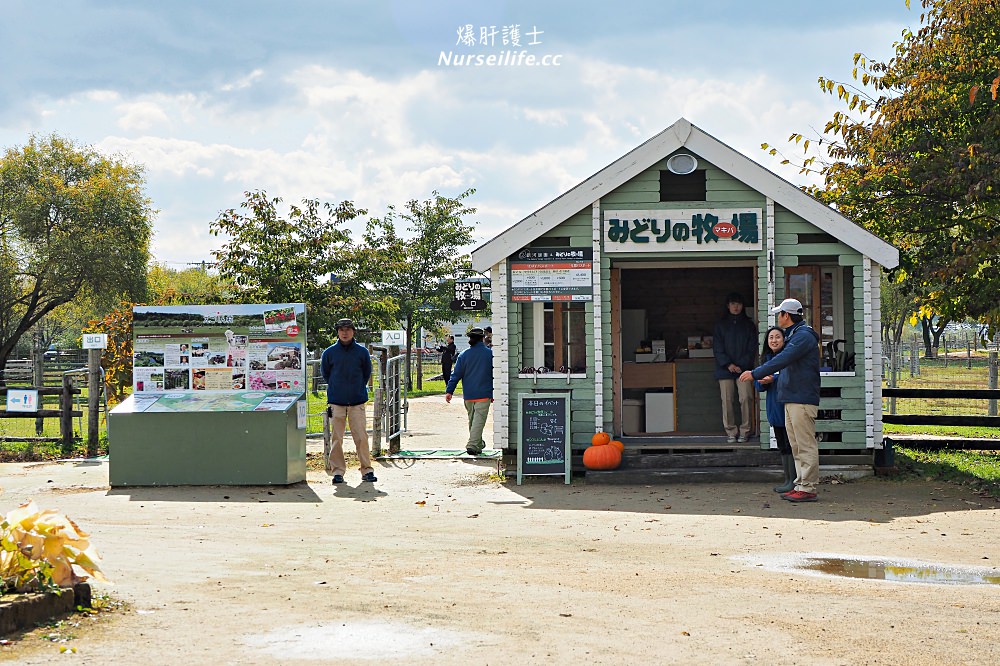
[[682, 164]]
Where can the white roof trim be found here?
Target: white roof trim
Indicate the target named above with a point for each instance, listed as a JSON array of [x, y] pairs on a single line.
[[683, 134]]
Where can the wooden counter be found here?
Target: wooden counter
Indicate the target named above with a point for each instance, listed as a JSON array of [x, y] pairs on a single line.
[[647, 375]]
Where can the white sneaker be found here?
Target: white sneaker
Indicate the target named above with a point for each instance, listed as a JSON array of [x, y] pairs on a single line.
[[742, 438], [731, 439]]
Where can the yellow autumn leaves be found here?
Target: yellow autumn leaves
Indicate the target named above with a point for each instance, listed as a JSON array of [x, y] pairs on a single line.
[[43, 549]]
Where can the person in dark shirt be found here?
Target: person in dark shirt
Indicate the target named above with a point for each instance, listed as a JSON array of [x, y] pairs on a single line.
[[735, 346], [448, 353]]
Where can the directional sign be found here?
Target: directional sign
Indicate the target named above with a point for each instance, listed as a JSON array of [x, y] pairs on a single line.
[[95, 340], [468, 296], [394, 338]]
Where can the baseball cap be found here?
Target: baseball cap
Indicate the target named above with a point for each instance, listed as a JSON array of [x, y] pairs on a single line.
[[789, 305], [344, 323], [477, 331]]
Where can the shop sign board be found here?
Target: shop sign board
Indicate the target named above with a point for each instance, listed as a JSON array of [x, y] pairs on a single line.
[[219, 349], [552, 274], [683, 230], [543, 443], [468, 295]]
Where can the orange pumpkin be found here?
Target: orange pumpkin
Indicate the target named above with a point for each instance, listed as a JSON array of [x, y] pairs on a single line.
[[600, 438], [618, 445], [602, 457]]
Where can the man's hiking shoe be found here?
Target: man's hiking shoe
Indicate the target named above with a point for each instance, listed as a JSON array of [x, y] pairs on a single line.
[[369, 477], [338, 478], [799, 496]]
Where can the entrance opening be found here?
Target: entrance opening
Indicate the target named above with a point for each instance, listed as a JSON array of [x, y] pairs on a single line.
[[666, 372]]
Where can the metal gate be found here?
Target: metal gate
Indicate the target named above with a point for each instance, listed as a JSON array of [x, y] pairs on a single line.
[[389, 403]]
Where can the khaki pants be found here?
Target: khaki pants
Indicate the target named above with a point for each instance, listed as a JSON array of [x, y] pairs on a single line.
[[729, 388], [478, 411], [800, 422], [359, 431]]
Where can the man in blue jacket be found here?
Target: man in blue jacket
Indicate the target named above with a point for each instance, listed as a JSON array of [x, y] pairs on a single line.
[[347, 366], [798, 387], [475, 370]]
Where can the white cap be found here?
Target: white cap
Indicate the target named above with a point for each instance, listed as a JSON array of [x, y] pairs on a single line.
[[790, 305]]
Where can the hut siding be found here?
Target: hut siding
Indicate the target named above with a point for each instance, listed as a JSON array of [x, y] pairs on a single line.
[[857, 423]]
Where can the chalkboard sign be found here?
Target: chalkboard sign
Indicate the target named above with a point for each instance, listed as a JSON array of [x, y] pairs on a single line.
[[543, 446]]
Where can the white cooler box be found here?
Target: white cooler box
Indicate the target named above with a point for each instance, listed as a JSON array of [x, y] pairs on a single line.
[[660, 412]]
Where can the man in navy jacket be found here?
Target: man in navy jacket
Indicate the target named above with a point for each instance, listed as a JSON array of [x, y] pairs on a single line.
[[347, 366], [798, 387], [475, 370]]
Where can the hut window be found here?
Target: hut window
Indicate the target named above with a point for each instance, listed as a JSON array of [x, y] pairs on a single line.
[[821, 291], [563, 343], [683, 187]]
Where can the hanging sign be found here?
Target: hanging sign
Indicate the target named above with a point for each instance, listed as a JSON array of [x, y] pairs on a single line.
[[468, 295]]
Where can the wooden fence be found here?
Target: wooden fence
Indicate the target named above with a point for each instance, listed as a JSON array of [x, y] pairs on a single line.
[[65, 413], [965, 443]]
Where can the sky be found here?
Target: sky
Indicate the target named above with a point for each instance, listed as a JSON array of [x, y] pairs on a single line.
[[367, 101]]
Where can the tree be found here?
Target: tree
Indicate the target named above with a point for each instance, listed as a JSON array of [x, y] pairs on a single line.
[[191, 286], [419, 271], [917, 160], [301, 259], [71, 220]]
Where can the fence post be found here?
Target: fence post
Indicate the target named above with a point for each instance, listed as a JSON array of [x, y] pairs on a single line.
[[993, 379], [379, 404], [917, 361], [93, 401], [968, 352], [66, 415], [894, 351]]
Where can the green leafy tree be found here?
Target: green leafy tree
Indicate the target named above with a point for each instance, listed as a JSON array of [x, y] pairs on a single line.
[[71, 221], [915, 154], [273, 259], [191, 286], [418, 271]]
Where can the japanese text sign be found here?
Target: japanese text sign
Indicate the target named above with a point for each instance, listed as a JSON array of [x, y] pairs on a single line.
[[685, 230]]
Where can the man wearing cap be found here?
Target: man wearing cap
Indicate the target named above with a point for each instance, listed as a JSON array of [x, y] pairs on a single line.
[[347, 366], [734, 346], [474, 369], [797, 386]]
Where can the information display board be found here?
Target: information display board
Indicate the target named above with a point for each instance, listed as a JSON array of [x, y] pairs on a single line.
[[543, 443], [221, 348]]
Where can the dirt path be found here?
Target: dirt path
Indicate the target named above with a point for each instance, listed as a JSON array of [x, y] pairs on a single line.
[[437, 564]]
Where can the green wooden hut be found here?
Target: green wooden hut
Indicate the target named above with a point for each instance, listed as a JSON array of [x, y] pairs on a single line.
[[610, 292]]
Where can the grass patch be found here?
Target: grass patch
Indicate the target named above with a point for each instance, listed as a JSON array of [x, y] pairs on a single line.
[[977, 432], [979, 470]]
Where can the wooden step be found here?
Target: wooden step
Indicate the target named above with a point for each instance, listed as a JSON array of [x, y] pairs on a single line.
[[659, 477]]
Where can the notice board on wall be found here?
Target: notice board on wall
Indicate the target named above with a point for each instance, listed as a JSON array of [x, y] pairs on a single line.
[[543, 443]]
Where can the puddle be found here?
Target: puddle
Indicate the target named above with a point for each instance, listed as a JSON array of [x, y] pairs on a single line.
[[875, 568], [392, 641], [883, 570]]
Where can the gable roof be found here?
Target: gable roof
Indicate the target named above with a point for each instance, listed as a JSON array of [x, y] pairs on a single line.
[[683, 134]]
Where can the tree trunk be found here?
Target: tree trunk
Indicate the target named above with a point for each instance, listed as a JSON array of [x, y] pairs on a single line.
[[925, 333]]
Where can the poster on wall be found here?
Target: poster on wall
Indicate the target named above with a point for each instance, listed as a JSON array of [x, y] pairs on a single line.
[[219, 348], [549, 274]]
